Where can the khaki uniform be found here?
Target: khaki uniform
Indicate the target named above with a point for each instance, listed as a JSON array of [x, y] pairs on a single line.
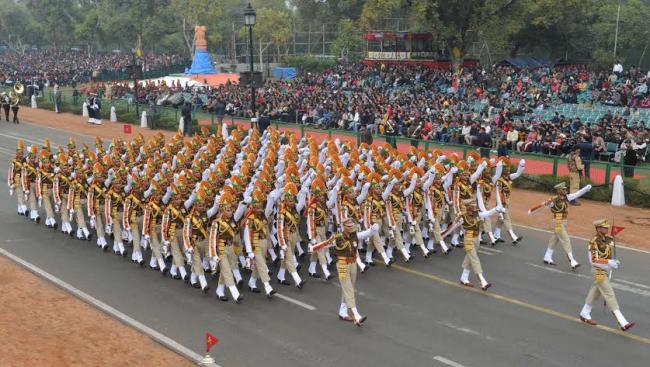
[[575, 166], [220, 243], [560, 212], [471, 243], [287, 236], [345, 250], [600, 252], [258, 237], [504, 186]]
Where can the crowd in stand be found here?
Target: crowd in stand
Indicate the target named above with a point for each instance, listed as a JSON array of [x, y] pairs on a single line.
[[72, 67]]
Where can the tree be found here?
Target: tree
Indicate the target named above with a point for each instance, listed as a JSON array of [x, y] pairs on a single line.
[[349, 42], [55, 17], [17, 26], [271, 27], [192, 13]]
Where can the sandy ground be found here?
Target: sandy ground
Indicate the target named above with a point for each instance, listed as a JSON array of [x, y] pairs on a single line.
[[42, 325]]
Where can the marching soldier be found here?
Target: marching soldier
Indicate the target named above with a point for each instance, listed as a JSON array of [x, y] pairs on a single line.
[[28, 181], [602, 263], [44, 182], [14, 180], [504, 186], [195, 236], [373, 208], [173, 216], [151, 215], [470, 220], [94, 202], [558, 205], [113, 200], [287, 228], [345, 246], [220, 245], [256, 242]]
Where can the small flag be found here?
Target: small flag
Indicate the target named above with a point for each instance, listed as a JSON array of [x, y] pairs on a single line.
[[210, 341], [127, 129], [616, 230]]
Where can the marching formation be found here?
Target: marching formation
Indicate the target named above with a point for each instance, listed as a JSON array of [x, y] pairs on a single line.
[[236, 201]]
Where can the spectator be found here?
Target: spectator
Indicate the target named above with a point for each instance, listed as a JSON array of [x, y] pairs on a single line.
[[365, 136], [574, 163], [586, 154]]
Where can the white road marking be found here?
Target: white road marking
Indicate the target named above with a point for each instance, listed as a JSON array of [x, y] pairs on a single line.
[[615, 282], [554, 270], [160, 338], [582, 238], [465, 330], [485, 252], [295, 302], [448, 362], [633, 283], [491, 249], [22, 138]]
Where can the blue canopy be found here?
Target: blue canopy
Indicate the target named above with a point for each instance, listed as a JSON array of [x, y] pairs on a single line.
[[201, 64], [284, 73], [526, 62]]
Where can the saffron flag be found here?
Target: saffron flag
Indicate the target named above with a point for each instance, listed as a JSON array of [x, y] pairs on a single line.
[[210, 341], [616, 230]]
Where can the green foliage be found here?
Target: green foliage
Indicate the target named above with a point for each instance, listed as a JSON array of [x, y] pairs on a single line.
[[308, 63], [349, 41]]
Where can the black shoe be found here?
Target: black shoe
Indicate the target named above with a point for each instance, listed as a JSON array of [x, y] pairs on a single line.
[[328, 277], [164, 271], [38, 220], [298, 267], [499, 240], [516, 242], [239, 299], [254, 290], [239, 283], [270, 294], [301, 284], [314, 275], [196, 285], [176, 277], [205, 290], [283, 282], [371, 263], [223, 298]]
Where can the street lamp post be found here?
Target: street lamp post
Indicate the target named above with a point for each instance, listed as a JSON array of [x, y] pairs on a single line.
[[249, 21]]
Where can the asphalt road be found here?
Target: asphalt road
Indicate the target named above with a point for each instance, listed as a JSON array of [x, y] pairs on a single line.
[[418, 315]]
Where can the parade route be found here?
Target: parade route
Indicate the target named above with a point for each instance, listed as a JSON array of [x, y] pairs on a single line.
[[418, 313]]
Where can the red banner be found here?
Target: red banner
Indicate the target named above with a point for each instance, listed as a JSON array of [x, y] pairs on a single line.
[[210, 341], [616, 230], [127, 129]]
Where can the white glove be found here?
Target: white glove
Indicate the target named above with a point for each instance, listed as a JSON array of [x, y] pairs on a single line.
[[484, 164], [188, 256], [247, 199], [375, 228], [11, 192], [92, 222], [522, 163], [108, 229], [394, 181], [431, 228], [251, 255], [165, 248], [614, 264], [214, 261], [56, 208], [500, 209], [71, 213], [40, 202], [453, 170]]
